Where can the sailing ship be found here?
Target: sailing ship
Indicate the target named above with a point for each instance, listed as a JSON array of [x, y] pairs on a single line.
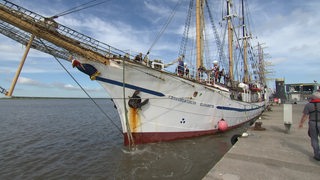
[[153, 104]]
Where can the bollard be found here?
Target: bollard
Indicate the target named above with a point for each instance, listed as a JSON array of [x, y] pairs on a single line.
[[287, 116]]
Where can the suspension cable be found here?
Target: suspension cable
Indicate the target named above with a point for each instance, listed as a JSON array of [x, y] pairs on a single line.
[[99, 107]]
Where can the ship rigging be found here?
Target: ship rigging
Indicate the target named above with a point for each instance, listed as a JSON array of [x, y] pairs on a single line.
[[153, 104]]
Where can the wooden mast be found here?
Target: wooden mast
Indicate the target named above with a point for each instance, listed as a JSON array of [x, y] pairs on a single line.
[[245, 45], [230, 41], [199, 33]]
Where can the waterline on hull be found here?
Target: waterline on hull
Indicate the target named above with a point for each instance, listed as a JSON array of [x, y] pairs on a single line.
[[154, 137]]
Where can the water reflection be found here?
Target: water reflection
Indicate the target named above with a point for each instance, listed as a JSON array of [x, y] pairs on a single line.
[[182, 159]]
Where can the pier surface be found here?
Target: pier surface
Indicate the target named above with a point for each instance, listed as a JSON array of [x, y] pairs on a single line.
[[270, 154]]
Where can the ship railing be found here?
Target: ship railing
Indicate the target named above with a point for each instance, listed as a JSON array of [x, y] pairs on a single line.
[[60, 30], [48, 24], [23, 37]]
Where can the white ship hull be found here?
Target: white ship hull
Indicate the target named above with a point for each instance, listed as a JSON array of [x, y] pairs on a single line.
[[177, 107]]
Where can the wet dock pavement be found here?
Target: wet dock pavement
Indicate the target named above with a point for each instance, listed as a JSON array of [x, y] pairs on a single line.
[[273, 153]]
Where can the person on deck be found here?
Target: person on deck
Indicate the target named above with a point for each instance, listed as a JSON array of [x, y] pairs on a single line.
[[138, 58], [180, 66], [186, 70], [201, 70], [217, 74], [221, 74], [227, 80], [215, 71], [312, 110]]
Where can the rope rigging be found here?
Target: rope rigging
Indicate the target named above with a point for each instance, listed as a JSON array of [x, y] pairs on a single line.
[[164, 27], [222, 56], [184, 39], [79, 8], [73, 78], [240, 47]]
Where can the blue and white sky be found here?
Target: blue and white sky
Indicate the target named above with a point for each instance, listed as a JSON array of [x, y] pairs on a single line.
[[289, 30]]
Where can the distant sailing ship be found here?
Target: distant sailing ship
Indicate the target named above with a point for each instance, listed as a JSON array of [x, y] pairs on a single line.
[[153, 104]]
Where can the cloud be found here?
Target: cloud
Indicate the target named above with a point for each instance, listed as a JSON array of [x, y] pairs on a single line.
[[160, 9], [31, 82], [289, 31], [63, 86], [77, 89], [9, 50], [55, 85], [133, 35]]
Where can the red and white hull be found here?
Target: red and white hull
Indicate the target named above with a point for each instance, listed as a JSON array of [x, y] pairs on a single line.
[[177, 107]]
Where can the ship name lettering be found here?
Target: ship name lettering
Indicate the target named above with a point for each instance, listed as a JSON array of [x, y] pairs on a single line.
[[207, 105], [183, 100]]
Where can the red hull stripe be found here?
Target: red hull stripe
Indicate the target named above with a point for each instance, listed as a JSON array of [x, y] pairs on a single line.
[[315, 101], [152, 137]]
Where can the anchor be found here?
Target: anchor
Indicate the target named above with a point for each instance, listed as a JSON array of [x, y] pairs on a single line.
[[136, 102]]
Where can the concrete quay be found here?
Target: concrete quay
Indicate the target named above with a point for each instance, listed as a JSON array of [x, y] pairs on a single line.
[[270, 154]]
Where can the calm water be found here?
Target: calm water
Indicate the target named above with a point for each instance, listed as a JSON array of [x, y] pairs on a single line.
[[73, 139]]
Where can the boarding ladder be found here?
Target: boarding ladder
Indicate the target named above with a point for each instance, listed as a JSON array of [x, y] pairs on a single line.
[[51, 37]]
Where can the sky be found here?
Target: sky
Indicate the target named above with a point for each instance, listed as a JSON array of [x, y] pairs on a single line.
[[288, 30]]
